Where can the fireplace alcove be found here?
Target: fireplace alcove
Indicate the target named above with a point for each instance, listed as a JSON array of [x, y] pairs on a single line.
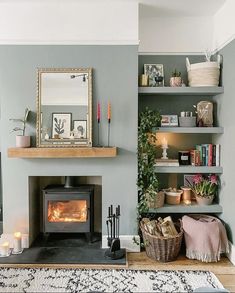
[[61, 207]]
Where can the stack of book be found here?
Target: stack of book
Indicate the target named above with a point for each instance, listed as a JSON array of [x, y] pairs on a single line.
[[205, 155], [166, 162]]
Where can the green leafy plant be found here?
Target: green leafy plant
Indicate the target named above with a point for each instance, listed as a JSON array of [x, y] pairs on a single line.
[[176, 73], [147, 179], [23, 121]]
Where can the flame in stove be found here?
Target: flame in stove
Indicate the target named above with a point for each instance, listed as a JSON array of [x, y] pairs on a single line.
[[67, 211]]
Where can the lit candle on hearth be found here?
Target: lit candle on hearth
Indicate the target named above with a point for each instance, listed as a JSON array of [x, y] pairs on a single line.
[[98, 112], [164, 143], [17, 243], [109, 112], [4, 249]]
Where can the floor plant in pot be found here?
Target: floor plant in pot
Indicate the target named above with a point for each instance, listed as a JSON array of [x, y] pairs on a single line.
[[22, 140], [147, 179], [205, 188]]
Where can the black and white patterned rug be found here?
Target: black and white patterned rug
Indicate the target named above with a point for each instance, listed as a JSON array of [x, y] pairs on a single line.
[[94, 280]]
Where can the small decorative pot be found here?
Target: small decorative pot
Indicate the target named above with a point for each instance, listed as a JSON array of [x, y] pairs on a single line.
[[186, 196], [202, 201], [175, 81], [22, 141]]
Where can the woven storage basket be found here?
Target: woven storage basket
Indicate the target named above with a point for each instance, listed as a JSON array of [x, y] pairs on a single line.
[[163, 249], [158, 201], [203, 74]]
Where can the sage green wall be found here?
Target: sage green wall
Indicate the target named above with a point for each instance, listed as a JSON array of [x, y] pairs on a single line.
[[114, 80], [226, 111]]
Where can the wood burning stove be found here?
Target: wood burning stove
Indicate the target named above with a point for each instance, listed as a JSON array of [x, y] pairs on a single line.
[[68, 210]]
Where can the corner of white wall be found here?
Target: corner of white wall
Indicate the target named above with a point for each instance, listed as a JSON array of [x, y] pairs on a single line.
[[224, 25]]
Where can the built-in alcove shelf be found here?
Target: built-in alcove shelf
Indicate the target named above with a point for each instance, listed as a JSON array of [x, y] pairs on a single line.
[[189, 169], [189, 91], [192, 208], [199, 130], [62, 153]]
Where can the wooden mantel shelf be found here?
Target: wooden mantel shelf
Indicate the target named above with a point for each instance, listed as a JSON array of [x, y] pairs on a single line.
[[56, 153]]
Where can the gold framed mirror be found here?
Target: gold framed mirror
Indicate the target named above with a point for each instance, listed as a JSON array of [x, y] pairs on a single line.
[[64, 107]]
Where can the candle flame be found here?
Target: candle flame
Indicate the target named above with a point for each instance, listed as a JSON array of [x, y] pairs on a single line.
[[17, 234], [5, 244]]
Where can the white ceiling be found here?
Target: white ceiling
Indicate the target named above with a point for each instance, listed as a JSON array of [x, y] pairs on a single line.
[[158, 8], [177, 8]]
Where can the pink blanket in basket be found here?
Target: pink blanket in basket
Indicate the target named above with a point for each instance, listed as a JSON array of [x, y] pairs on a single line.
[[205, 237]]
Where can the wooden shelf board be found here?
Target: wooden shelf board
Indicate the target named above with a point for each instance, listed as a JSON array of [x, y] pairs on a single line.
[[189, 169], [193, 208], [56, 153], [194, 91], [192, 130]]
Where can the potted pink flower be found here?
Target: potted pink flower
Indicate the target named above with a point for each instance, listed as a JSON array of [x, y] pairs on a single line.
[[205, 188]]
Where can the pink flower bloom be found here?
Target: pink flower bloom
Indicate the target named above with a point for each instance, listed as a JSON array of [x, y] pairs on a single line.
[[213, 179], [197, 179]]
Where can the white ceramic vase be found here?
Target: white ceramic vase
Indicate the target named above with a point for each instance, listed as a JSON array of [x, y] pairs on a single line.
[[22, 141], [202, 201]]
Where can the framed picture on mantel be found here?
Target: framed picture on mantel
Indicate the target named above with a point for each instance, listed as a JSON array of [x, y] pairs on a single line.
[[61, 125], [155, 73]]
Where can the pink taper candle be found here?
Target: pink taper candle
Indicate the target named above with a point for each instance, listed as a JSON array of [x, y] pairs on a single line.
[[98, 112], [109, 111]]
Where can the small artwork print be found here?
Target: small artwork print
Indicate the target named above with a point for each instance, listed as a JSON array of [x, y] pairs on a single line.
[[155, 73], [169, 120], [80, 128], [61, 125]]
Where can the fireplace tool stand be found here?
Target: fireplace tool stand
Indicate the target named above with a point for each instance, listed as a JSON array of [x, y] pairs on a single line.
[[113, 225]]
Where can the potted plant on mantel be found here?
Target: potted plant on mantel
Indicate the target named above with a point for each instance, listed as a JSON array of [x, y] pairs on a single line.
[[22, 140], [147, 179], [205, 188]]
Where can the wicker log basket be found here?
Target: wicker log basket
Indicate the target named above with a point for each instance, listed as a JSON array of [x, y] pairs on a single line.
[[163, 249]]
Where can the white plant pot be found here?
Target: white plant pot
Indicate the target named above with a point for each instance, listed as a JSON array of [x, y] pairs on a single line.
[[22, 141]]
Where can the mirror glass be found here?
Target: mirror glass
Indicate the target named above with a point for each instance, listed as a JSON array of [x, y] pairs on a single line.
[[64, 107]]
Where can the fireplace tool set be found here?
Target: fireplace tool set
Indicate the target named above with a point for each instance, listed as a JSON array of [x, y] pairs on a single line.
[[113, 225]]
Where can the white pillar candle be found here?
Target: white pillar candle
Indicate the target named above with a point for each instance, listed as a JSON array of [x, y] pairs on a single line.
[[17, 245], [4, 249]]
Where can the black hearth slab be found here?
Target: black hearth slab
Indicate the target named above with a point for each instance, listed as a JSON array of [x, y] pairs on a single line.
[[62, 255], [67, 240]]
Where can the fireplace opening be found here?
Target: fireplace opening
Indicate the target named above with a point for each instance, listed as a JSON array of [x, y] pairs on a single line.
[[64, 210]]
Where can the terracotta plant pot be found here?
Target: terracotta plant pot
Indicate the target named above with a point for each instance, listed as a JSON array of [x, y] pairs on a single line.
[[22, 141], [176, 81], [202, 201]]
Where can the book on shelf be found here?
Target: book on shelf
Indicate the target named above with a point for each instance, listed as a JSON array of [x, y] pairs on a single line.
[[166, 162], [206, 155]]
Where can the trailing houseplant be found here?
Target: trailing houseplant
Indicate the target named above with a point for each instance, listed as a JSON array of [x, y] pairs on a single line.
[[22, 140], [205, 188], [147, 179]]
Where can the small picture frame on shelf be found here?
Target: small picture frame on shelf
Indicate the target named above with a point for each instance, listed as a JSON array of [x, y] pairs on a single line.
[[61, 125], [155, 74], [169, 120], [80, 128]]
